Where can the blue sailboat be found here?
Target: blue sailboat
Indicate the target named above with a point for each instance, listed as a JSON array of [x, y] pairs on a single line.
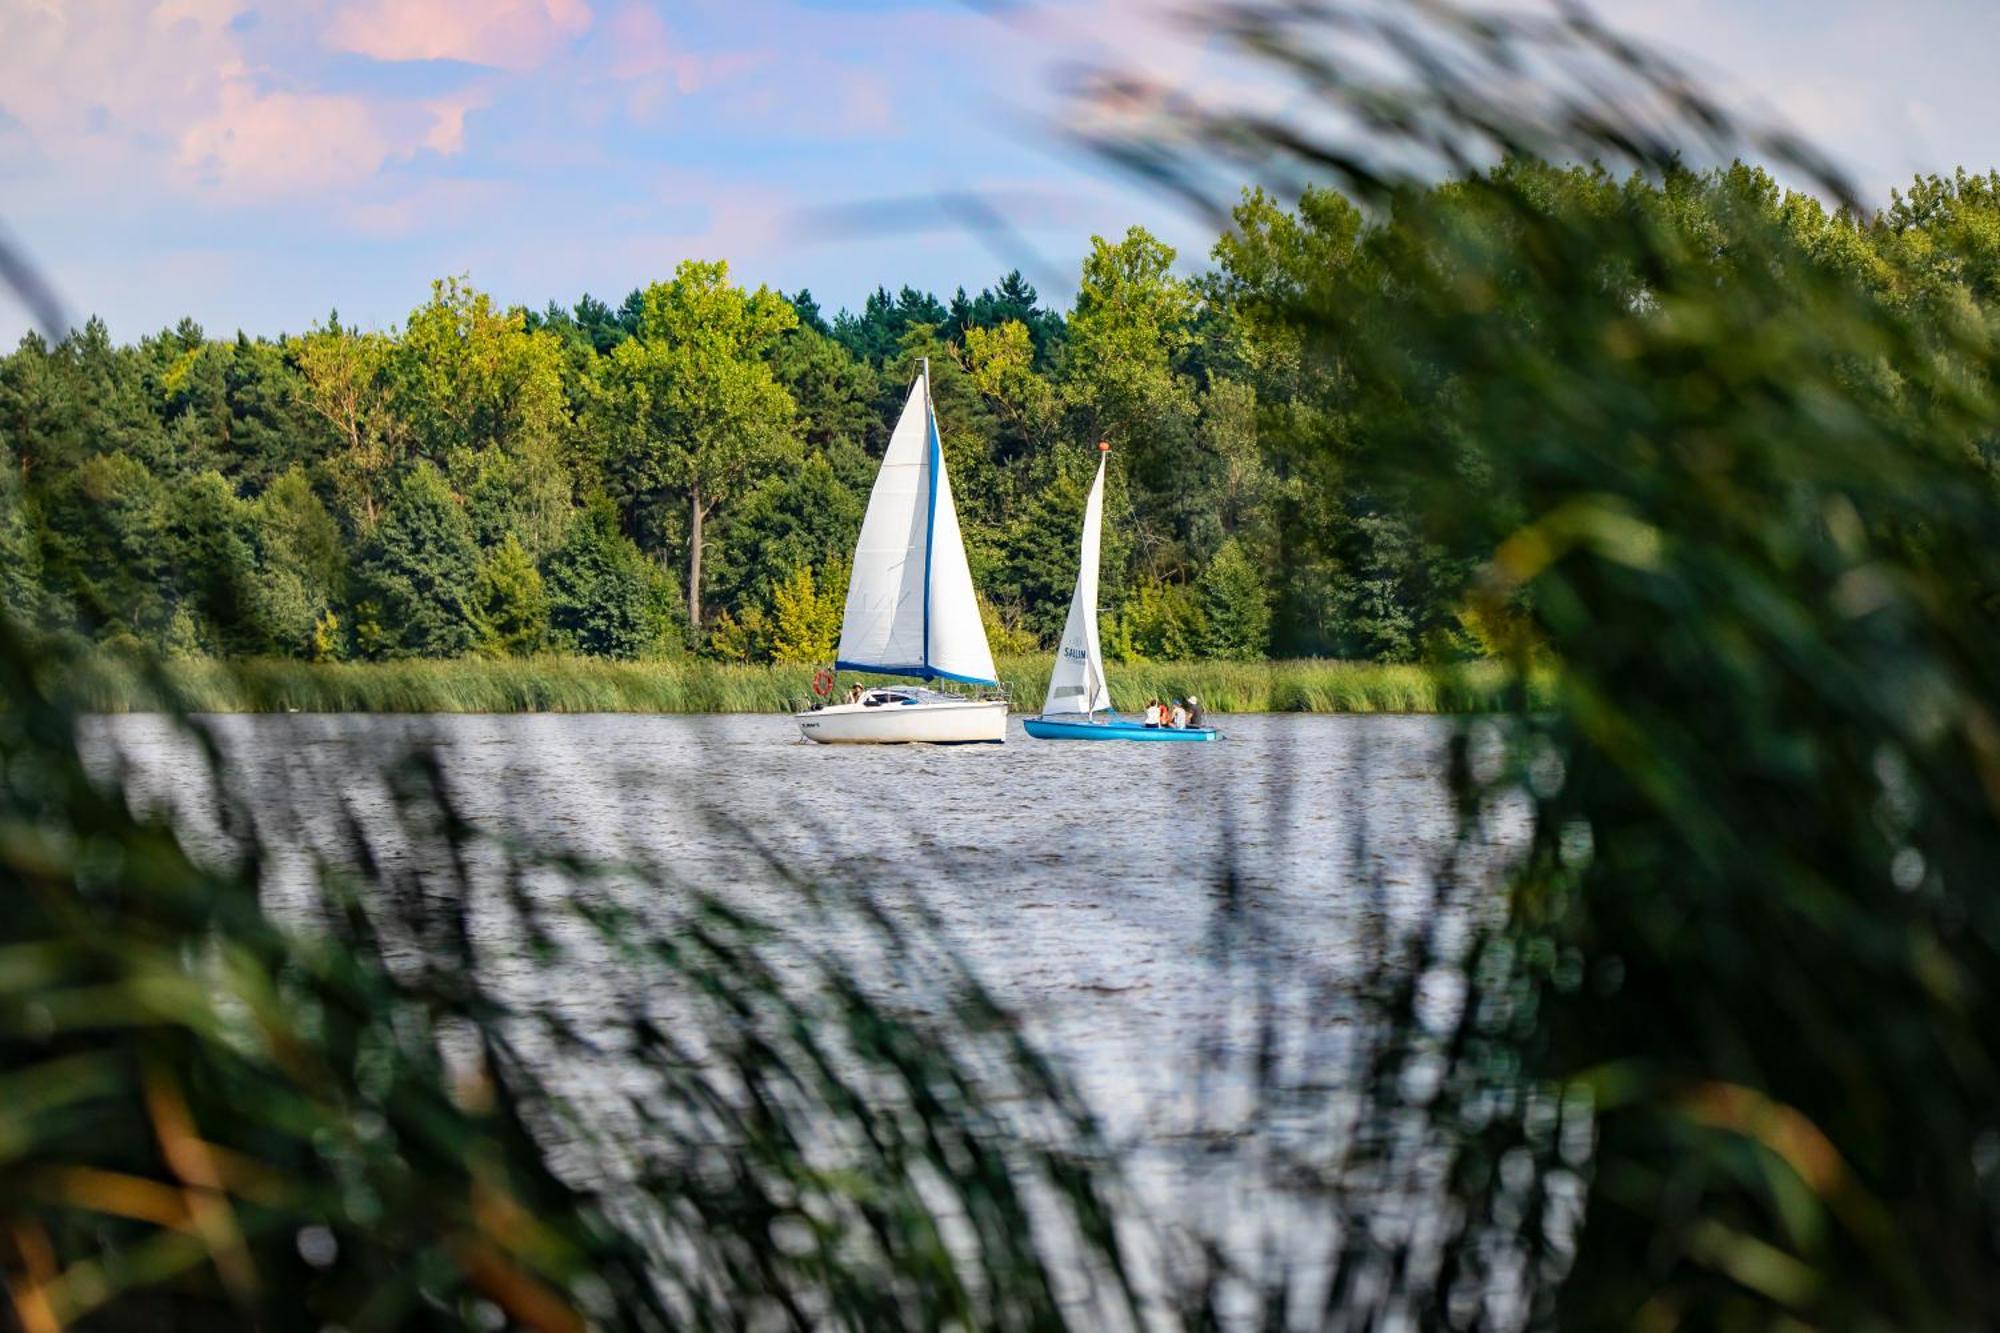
[[1077, 688]]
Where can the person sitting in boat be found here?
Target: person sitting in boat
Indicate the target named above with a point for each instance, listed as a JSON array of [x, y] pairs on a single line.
[[1180, 717], [1153, 711], [854, 694], [1194, 713]]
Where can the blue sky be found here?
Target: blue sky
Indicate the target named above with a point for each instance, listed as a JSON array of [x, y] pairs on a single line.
[[253, 163]]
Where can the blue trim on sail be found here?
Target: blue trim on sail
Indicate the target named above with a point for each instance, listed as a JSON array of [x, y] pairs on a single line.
[[920, 671], [936, 674], [930, 516]]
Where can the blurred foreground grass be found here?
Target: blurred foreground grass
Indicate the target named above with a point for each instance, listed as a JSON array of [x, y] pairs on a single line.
[[1723, 1051], [595, 685]]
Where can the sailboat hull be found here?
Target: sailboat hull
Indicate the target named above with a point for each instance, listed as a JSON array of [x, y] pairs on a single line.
[[929, 722], [1117, 729]]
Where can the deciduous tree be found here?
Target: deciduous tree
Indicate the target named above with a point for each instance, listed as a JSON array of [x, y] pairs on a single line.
[[690, 406]]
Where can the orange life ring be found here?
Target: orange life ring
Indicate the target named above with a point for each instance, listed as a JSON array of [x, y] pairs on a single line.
[[823, 682]]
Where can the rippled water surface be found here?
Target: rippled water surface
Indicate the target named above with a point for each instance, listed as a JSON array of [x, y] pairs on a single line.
[[1082, 882]]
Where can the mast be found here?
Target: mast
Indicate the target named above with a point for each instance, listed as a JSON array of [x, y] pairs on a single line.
[[930, 512], [1103, 457]]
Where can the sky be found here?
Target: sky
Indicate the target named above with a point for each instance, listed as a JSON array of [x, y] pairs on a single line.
[[256, 163]]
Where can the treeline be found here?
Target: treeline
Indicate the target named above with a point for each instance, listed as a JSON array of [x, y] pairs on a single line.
[[687, 472]]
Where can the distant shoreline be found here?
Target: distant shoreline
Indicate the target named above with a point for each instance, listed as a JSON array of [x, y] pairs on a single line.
[[558, 684]]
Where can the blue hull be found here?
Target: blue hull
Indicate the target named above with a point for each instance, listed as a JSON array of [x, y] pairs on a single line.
[[1048, 729]]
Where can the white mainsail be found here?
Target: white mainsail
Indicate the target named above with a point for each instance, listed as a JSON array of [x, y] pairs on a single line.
[[1077, 683], [911, 609]]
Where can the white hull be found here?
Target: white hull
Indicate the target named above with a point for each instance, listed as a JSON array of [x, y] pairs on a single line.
[[932, 722]]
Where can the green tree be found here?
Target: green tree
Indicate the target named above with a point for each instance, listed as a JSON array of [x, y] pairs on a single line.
[[876, 334], [1001, 362], [1235, 608], [803, 516], [105, 540], [604, 596], [747, 639], [1036, 574], [343, 377], [416, 578], [805, 615], [39, 420], [1160, 621], [1014, 300], [971, 431], [109, 403], [270, 427], [512, 603], [302, 562], [690, 406], [474, 381], [1270, 264], [837, 398], [211, 552], [23, 580], [1133, 324]]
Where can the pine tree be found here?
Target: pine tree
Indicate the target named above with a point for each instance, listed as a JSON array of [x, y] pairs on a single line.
[[600, 590], [1234, 605], [417, 574], [513, 605]]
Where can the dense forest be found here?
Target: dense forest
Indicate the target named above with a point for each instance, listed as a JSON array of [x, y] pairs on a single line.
[[686, 472]]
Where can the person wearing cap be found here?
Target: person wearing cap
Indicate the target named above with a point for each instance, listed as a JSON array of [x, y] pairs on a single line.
[[1194, 715], [1180, 716]]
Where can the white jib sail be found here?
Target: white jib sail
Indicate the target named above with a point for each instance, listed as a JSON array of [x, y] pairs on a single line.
[[1077, 683], [911, 609]]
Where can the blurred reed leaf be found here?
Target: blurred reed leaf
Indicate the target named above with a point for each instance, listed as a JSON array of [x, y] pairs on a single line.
[[1719, 457], [213, 1115]]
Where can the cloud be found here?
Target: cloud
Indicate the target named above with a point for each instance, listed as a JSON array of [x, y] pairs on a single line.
[[446, 135], [637, 51], [113, 97], [641, 48], [449, 206], [255, 144], [506, 34]]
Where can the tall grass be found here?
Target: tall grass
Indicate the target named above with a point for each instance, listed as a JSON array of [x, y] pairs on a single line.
[[554, 684]]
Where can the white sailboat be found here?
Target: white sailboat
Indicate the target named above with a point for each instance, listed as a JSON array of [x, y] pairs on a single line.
[[911, 609], [1077, 688]]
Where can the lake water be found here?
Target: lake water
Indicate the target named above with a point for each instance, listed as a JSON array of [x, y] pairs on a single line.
[[1082, 883]]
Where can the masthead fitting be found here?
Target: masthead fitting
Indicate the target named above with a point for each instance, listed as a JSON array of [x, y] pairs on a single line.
[[1104, 446]]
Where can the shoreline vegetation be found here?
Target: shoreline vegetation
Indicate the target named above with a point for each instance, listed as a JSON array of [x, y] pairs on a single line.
[[574, 684]]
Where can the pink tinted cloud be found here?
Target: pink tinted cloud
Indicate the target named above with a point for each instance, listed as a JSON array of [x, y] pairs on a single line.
[[507, 34], [640, 52], [440, 207], [122, 95], [446, 135], [641, 48], [256, 143]]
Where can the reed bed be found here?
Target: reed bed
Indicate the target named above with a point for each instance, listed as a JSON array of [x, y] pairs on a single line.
[[554, 684]]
